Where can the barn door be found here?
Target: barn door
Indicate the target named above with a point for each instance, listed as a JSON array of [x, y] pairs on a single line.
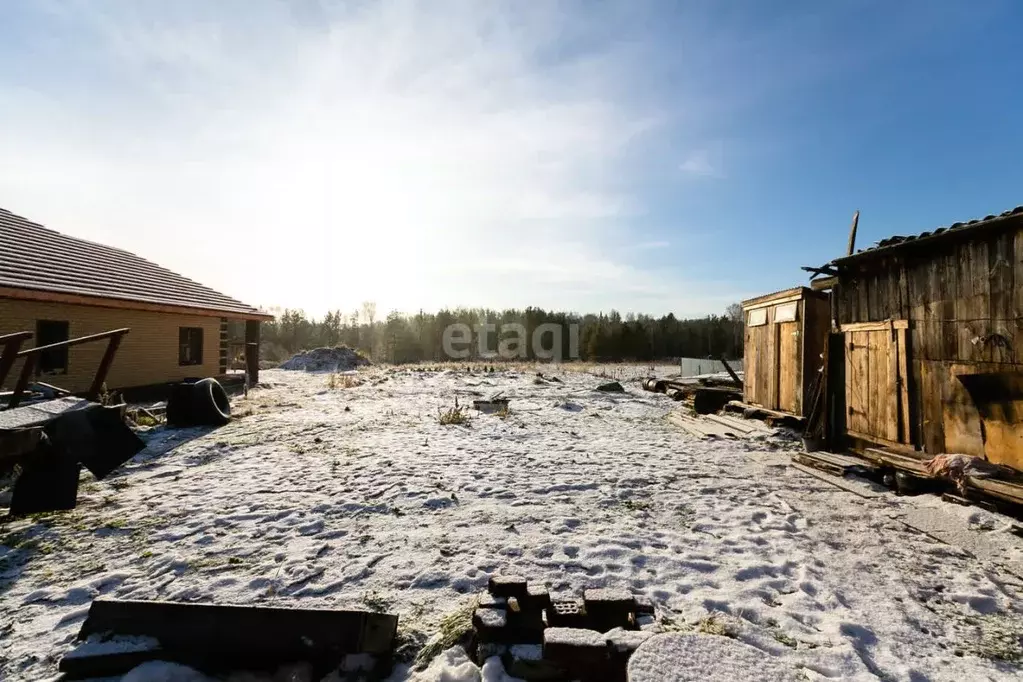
[[876, 397], [790, 373]]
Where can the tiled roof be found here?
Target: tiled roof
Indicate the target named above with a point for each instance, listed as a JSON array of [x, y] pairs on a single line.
[[38, 258], [958, 228]]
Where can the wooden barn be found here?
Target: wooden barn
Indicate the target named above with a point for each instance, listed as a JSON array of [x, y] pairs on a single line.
[[785, 334], [927, 331]]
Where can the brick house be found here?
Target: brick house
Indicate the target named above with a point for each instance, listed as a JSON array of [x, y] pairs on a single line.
[[61, 287]]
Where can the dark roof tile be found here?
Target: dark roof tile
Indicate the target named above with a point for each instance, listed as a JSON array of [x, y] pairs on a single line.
[[897, 240], [36, 257]]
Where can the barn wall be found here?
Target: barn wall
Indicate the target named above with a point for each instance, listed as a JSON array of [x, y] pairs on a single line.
[[964, 301], [777, 367], [147, 355]]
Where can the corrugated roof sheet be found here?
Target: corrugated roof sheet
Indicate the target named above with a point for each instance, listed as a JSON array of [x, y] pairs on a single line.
[[898, 240], [36, 257]]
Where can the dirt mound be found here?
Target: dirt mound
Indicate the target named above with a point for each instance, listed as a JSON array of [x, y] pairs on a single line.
[[337, 359]]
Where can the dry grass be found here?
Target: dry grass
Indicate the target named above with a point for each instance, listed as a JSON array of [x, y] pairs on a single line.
[[343, 381], [459, 414], [454, 629], [716, 625]]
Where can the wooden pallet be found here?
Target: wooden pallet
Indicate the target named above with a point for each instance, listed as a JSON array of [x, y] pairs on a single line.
[[832, 463], [1008, 491], [771, 417], [718, 426], [902, 461]]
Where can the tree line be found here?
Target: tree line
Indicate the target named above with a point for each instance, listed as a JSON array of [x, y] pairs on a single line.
[[420, 337]]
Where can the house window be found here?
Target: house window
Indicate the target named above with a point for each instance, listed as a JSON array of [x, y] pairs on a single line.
[[53, 361], [786, 312], [190, 346], [756, 317]]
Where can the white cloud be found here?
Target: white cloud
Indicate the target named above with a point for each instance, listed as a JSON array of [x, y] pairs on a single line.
[[299, 154], [704, 163]]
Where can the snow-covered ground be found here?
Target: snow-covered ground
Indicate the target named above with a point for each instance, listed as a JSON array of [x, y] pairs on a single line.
[[359, 497]]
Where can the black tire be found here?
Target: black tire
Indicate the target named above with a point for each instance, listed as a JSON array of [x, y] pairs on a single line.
[[210, 404]]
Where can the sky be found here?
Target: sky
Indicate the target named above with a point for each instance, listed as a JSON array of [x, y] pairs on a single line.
[[650, 157]]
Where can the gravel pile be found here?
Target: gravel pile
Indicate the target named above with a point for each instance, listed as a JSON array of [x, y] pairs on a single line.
[[337, 359]]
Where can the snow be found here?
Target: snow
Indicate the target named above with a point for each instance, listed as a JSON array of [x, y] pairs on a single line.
[[675, 657], [161, 671], [96, 645], [358, 497]]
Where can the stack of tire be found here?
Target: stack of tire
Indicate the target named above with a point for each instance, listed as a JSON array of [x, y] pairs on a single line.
[[198, 402]]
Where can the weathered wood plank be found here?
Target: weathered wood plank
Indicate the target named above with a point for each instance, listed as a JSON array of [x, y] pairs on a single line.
[[960, 419], [946, 291], [881, 325], [933, 428], [789, 368], [889, 399], [905, 419]]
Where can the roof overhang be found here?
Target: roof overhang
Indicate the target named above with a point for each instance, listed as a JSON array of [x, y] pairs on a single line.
[[959, 231], [44, 296], [793, 294]]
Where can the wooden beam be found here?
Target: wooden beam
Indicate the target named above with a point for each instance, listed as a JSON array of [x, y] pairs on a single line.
[[874, 326], [852, 233], [775, 297], [9, 345], [252, 352], [104, 366], [19, 388], [122, 304], [824, 284], [823, 270], [772, 302], [902, 344], [75, 341]]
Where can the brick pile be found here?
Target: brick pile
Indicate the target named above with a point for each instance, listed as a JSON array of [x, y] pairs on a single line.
[[542, 638]]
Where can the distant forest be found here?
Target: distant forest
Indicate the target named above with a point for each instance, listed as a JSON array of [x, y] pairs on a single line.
[[402, 338]]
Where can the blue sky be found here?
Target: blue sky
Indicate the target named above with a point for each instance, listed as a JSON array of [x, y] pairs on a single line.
[[648, 157]]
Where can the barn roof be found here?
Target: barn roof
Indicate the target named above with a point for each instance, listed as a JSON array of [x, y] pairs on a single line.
[[38, 259], [955, 229]]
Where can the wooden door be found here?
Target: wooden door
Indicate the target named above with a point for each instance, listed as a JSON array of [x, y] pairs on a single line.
[[757, 364], [876, 388], [790, 384]]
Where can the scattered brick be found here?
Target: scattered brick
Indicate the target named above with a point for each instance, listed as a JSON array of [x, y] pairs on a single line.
[[583, 653], [567, 613], [491, 625], [526, 662], [610, 608], [537, 596], [644, 606], [489, 601], [508, 586]]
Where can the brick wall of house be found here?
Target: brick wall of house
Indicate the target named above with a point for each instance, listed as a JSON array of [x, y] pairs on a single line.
[[148, 354]]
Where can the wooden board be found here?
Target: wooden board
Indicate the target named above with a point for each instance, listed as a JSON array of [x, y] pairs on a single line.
[[877, 401], [959, 416], [1003, 490], [896, 460], [903, 378], [856, 486], [857, 382], [789, 368], [997, 400]]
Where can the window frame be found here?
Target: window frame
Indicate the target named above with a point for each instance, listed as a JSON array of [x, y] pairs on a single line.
[[45, 363], [787, 312], [190, 346], [757, 317]]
